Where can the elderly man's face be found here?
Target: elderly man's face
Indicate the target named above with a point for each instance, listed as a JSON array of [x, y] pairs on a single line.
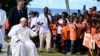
[[24, 23]]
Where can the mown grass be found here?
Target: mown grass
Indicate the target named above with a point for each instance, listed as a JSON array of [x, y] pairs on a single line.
[[54, 52], [50, 54]]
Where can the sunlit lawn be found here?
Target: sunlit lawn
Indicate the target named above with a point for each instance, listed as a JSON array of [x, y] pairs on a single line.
[[54, 52], [51, 54]]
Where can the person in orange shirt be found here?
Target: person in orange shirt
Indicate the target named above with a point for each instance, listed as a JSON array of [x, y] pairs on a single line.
[[85, 25], [59, 29], [65, 38], [54, 33], [97, 39], [88, 30], [80, 25], [93, 10], [93, 28], [73, 34], [80, 32], [98, 46]]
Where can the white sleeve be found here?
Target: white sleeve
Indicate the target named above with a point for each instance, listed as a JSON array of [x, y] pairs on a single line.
[[50, 18], [38, 20], [15, 37], [32, 33], [13, 34], [32, 23], [67, 20], [60, 21]]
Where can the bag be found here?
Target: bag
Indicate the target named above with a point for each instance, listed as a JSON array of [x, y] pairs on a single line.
[[7, 24]]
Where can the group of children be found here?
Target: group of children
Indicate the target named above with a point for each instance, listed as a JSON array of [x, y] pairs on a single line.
[[68, 31]]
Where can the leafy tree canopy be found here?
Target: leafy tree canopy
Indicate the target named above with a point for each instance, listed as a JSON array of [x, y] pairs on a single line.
[[8, 4]]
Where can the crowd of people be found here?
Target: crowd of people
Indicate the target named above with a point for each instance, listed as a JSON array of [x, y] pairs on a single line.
[[67, 31], [62, 32]]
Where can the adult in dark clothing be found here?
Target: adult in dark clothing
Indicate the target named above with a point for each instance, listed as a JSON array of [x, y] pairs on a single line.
[[17, 12]]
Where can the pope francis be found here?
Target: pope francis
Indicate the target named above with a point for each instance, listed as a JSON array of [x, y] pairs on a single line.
[[21, 44]]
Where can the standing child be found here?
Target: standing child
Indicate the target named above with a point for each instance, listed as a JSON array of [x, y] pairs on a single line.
[[97, 39], [54, 33], [65, 38], [73, 36], [93, 28], [87, 36], [79, 35], [98, 44], [58, 38], [93, 32]]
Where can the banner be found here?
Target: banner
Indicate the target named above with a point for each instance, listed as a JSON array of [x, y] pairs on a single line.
[[88, 41], [97, 39]]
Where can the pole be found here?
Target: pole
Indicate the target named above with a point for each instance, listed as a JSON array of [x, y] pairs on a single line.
[[67, 6]]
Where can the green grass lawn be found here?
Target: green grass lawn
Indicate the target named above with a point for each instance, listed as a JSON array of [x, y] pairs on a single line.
[[50, 54], [55, 53]]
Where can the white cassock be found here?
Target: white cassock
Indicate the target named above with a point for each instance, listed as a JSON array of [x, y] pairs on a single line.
[[2, 30], [25, 47]]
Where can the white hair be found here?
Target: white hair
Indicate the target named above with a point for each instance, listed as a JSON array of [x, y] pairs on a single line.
[[23, 18]]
